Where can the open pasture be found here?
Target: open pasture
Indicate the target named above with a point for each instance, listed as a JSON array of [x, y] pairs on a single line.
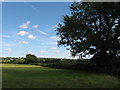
[[31, 76]]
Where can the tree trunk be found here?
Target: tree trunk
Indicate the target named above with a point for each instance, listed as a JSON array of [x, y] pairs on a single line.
[[102, 60]]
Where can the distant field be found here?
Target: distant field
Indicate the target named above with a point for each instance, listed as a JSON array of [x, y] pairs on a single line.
[[31, 76]]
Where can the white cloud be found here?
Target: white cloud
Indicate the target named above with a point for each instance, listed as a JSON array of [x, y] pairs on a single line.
[[43, 51], [42, 32], [25, 25], [55, 38], [9, 36], [52, 43], [35, 26], [5, 36], [24, 42], [55, 26], [9, 49], [57, 51], [28, 22], [31, 36], [22, 33], [53, 48]]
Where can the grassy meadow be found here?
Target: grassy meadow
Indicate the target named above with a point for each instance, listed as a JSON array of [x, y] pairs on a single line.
[[33, 76]]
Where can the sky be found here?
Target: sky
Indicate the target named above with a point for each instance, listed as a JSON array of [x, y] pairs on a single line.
[[29, 28]]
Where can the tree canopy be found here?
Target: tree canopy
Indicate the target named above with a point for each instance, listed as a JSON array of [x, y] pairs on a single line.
[[92, 29], [30, 58]]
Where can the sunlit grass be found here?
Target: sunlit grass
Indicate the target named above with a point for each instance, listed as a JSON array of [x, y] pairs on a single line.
[[18, 76], [18, 65]]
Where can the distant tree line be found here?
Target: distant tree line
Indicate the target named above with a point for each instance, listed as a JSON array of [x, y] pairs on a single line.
[[61, 63], [32, 59]]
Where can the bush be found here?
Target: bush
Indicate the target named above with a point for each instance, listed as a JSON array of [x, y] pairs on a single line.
[[19, 61]]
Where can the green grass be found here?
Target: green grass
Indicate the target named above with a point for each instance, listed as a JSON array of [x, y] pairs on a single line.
[[31, 76]]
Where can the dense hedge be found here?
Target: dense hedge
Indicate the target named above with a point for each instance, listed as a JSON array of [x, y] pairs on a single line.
[[74, 64]]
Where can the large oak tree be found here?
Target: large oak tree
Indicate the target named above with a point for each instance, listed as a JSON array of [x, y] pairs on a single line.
[[92, 29]]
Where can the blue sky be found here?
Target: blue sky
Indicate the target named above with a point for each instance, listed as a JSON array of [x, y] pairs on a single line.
[[30, 28]]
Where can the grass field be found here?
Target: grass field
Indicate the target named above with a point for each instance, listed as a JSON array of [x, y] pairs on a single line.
[[31, 76]]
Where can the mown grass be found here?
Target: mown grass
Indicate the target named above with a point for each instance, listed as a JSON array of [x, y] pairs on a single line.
[[31, 76]]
